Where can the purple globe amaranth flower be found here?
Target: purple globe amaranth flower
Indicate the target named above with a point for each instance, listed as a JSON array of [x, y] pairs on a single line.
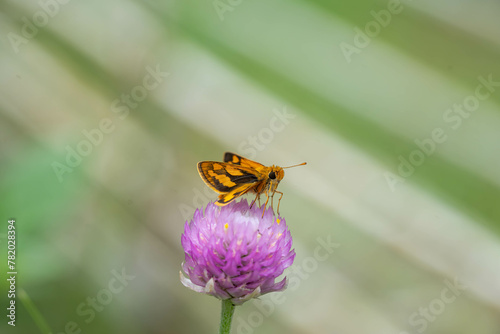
[[232, 252]]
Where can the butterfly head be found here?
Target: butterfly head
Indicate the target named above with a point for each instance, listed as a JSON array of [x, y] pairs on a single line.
[[275, 175]]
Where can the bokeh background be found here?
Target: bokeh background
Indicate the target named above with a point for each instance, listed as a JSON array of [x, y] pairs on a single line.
[[143, 90]]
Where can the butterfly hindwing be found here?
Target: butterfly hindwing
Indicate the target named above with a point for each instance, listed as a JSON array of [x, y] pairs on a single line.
[[238, 191]]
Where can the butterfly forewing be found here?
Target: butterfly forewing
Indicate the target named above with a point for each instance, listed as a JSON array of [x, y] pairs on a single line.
[[224, 177], [233, 158], [236, 159]]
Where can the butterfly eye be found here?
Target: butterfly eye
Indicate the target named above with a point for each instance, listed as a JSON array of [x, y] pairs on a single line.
[[272, 175]]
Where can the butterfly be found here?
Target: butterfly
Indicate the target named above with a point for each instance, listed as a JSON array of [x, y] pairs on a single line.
[[237, 176]]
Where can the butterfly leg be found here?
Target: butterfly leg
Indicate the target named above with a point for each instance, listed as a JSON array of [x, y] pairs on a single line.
[[279, 200], [265, 205], [272, 200], [253, 202]]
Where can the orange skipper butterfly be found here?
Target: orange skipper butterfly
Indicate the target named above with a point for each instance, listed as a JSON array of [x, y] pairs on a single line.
[[237, 176]]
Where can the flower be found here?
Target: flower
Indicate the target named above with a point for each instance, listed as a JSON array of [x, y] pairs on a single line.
[[232, 252]]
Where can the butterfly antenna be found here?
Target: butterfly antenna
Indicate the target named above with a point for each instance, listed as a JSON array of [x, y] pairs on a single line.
[[302, 164]]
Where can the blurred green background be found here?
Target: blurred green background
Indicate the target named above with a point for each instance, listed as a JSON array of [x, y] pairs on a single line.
[[107, 106]]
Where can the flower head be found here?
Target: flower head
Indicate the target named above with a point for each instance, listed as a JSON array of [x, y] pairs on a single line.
[[234, 253]]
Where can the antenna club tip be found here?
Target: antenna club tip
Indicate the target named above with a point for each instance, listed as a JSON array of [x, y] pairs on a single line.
[[302, 164]]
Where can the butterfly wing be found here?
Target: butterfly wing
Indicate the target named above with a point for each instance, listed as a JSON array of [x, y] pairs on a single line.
[[236, 192], [236, 159], [227, 179], [233, 158]]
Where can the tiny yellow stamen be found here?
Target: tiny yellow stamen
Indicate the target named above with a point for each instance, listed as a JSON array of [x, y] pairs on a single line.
[[226, 226], [278, 221]]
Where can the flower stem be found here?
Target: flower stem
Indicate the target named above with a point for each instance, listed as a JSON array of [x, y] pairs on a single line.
[[226, 316]]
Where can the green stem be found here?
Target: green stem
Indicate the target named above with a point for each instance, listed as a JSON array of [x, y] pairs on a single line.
[[226, 316]]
